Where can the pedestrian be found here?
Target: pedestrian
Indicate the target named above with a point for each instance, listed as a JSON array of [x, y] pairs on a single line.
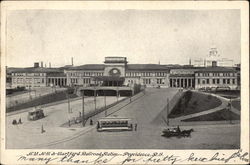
[[135, 126], [19, 121], [178, 129], [42, 130], [14, 122], [69, 123], [80, 114], [91, 122]]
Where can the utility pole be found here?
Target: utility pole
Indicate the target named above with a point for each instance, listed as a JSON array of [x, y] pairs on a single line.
[[130, 93], [68, 102], [167, 111], [105, 104], [95, 96], [117, 91], [83, 116], [229, 108]]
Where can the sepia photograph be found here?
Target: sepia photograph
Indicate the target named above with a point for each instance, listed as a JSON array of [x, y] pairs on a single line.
[[123, 78]]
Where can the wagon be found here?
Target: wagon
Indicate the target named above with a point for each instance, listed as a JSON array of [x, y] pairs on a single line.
[[170, 132], [36, 114]]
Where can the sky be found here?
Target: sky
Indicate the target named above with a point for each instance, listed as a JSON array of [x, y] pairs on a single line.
[[143, 36]]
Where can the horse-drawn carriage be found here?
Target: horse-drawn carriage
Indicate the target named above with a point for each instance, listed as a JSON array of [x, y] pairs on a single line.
[[170, 132]]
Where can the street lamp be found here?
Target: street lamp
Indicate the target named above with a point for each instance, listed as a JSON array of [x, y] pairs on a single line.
[[105, 102], [83, 116]]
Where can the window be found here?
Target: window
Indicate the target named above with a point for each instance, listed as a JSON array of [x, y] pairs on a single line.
[[224, 81], [218, 81], [198, 81], [228, 81], [213, 81], [233, 81], [207, 81]]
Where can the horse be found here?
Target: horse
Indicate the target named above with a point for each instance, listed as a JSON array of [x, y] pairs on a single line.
[[186, 133]]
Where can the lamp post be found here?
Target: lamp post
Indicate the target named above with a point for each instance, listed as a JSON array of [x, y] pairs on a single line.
[[95, 95], [83, 116], [117, 91], [68, 101], [229, 108], [167, 111], [105, 102]]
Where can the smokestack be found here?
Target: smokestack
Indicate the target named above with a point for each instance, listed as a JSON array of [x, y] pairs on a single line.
[[36, 65], [41, 64], [190, 61], [72, 62], [50, 64], [214, 63]]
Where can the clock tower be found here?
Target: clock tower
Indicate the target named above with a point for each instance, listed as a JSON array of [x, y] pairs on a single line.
[[115, 66]]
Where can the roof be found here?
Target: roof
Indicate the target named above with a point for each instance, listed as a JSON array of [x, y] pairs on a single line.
[[217, 69], [88, 67], [35, 70], [56, 74], [147, 67]]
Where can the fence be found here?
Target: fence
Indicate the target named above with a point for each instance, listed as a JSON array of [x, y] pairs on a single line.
[[112, 108]]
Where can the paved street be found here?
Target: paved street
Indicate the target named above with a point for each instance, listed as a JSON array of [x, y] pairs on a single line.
[[148, 135], [142, 111], [28, 134]]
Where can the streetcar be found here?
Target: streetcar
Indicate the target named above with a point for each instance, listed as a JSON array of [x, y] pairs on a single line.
[[114, 124]]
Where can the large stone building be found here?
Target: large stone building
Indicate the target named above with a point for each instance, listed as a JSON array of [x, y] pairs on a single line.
[[117, 72], [36, 76]]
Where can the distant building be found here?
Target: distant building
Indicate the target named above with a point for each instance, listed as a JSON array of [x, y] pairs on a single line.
[[213, 56], [216, 77], [36, 77]]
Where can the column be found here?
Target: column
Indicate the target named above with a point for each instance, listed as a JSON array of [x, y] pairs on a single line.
[[188, 82], [191, 82]]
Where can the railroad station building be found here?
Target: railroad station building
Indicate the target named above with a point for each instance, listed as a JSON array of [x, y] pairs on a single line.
[[117, 72]]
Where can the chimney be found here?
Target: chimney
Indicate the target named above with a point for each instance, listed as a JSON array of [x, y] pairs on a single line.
[[190, 61], [72, 62], [50, 64], [45, 65], [214, 63], [41, 64], [36, 65]]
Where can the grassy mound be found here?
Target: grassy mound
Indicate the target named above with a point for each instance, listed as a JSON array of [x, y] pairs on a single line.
[[236, 104], [228, 93], [50, 98], [193, 102], [216, 116]]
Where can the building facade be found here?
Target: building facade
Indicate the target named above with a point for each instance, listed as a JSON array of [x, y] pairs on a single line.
[[216, 77], [117, 72]]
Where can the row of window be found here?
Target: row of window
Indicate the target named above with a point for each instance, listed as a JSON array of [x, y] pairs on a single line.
[[28, 74], [82, 74], [216, 81], [27, 80], [146, 74], [216, 74]]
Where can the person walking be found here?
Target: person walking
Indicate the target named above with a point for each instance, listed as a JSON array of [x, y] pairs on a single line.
[[135, 126], [19, 121]]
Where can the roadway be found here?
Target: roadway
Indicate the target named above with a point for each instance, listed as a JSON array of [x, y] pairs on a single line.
[[148, 135]]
